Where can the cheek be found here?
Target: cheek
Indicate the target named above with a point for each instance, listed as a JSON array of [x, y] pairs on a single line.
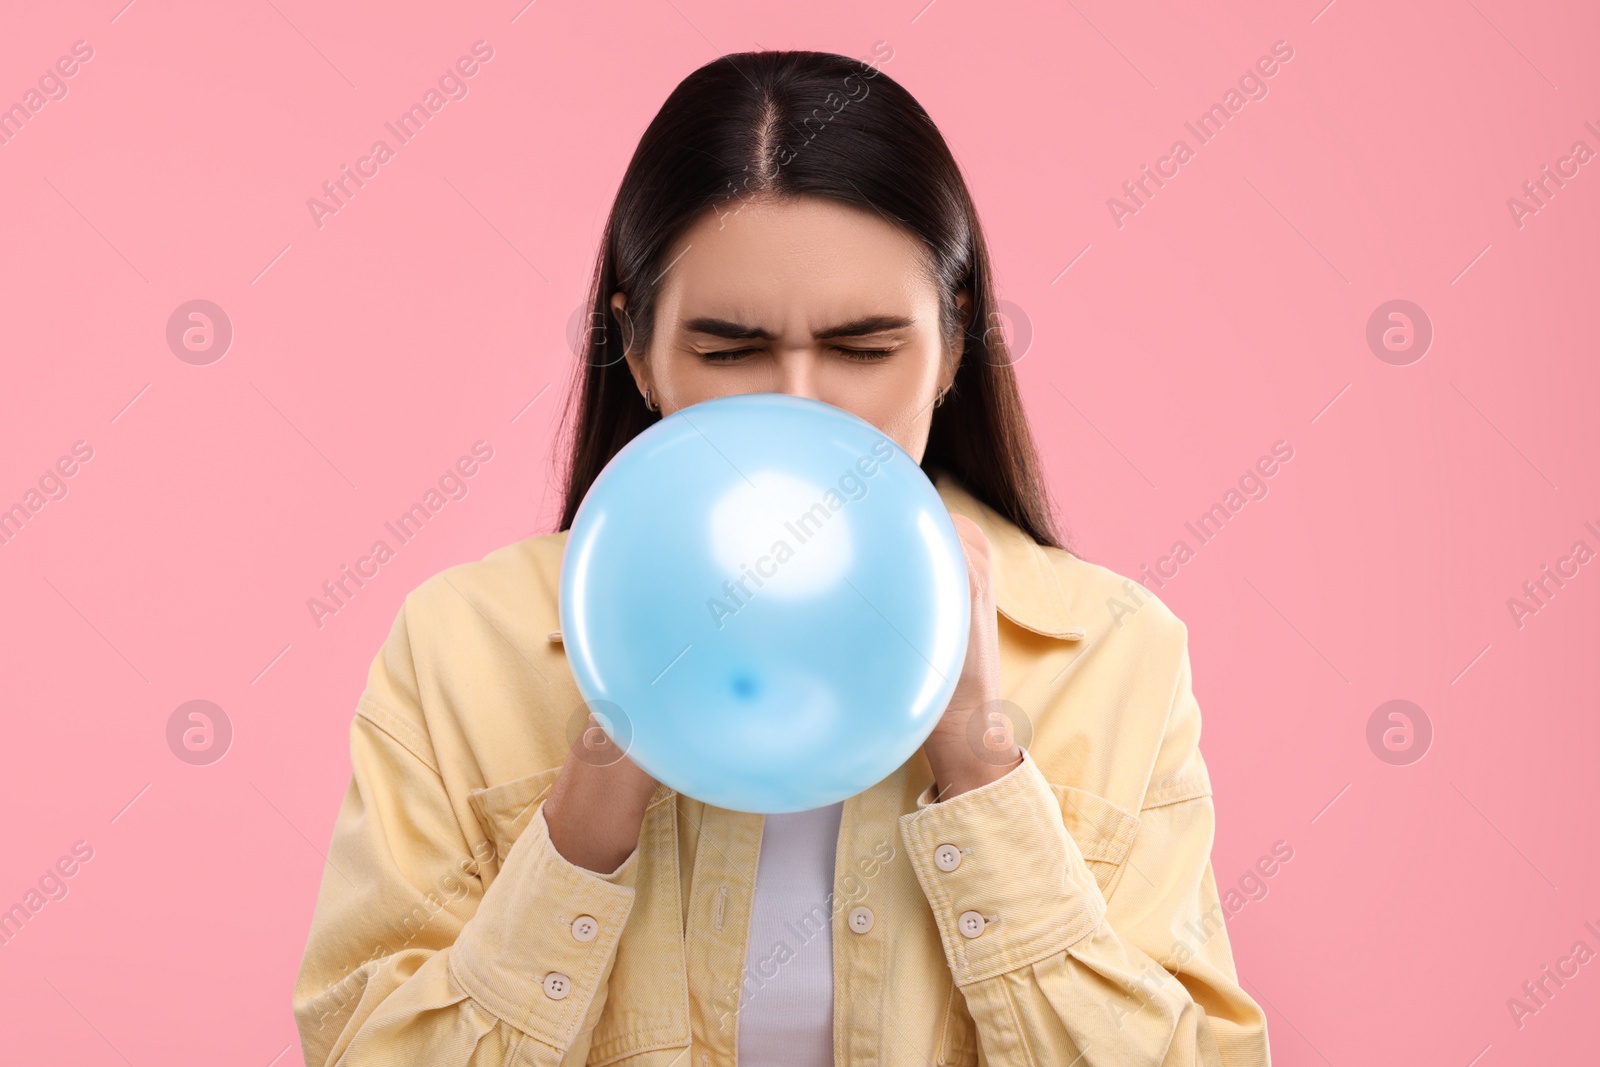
[[896, 398]]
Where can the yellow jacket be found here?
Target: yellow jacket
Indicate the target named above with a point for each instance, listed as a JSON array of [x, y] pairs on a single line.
[[448, 930]]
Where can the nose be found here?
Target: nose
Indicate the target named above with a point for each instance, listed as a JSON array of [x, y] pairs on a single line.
[[797, 373]]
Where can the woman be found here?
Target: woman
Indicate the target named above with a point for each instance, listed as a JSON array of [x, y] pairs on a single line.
[[1032, 887]]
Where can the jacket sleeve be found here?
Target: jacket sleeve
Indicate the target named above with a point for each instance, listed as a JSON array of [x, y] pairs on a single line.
[[409, 958], [1051, 974]]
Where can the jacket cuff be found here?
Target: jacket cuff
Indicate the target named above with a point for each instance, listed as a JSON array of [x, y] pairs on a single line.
[[544, 937], [1006, 882]]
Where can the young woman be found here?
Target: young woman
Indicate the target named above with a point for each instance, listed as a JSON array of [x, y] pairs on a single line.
[[1033, 887]]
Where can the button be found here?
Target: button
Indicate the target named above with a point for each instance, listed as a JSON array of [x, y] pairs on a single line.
[[970, 923], [947, 857], [861, 919], [584, 927], [557, 985]]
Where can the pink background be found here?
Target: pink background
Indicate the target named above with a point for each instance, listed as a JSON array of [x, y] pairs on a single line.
[[1228, 313]]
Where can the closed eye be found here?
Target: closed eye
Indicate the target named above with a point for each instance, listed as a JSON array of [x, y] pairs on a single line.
[[866, 355], [861, 355], [728, 356]]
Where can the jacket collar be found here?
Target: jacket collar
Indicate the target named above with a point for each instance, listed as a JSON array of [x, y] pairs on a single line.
[[1027, 588]]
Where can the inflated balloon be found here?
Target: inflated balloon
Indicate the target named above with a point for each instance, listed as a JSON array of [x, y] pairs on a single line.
[[764, 603]]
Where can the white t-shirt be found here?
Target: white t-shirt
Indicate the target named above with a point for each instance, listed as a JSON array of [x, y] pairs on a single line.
[[786, 1003]]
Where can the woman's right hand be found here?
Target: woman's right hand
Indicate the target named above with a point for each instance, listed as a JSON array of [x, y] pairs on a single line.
[[596, 807]]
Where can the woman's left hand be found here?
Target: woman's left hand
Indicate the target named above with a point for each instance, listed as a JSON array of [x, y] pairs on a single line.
[[960, 755]]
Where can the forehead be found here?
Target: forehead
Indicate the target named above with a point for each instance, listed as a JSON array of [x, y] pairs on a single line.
[[811, 259]]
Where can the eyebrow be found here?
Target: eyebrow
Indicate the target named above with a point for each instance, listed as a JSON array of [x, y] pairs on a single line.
[[735, 331]]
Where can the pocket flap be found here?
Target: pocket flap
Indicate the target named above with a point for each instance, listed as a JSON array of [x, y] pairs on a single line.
[[1104, 832], [505, 810]]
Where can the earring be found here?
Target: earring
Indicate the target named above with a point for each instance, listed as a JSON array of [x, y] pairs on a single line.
[[647, 405], [940, 398]]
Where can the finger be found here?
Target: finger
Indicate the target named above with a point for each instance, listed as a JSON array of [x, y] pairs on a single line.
[[972, 537], [976, 549]]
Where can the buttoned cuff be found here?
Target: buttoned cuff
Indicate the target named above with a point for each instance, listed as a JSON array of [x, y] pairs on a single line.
[[543, 940], [1006, 881]]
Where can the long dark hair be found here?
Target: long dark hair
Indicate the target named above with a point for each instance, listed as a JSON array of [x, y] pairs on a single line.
[[786, 124]]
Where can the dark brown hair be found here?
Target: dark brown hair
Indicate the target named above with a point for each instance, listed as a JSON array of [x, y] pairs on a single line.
[[788, 124]]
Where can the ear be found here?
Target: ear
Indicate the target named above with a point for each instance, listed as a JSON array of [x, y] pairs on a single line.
[[959, 348], [636, 361]]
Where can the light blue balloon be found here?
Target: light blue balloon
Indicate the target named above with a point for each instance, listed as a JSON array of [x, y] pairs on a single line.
[[764, 602]]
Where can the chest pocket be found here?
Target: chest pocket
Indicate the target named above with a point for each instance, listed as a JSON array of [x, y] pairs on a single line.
[[643, 1014], [1104, 833]]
